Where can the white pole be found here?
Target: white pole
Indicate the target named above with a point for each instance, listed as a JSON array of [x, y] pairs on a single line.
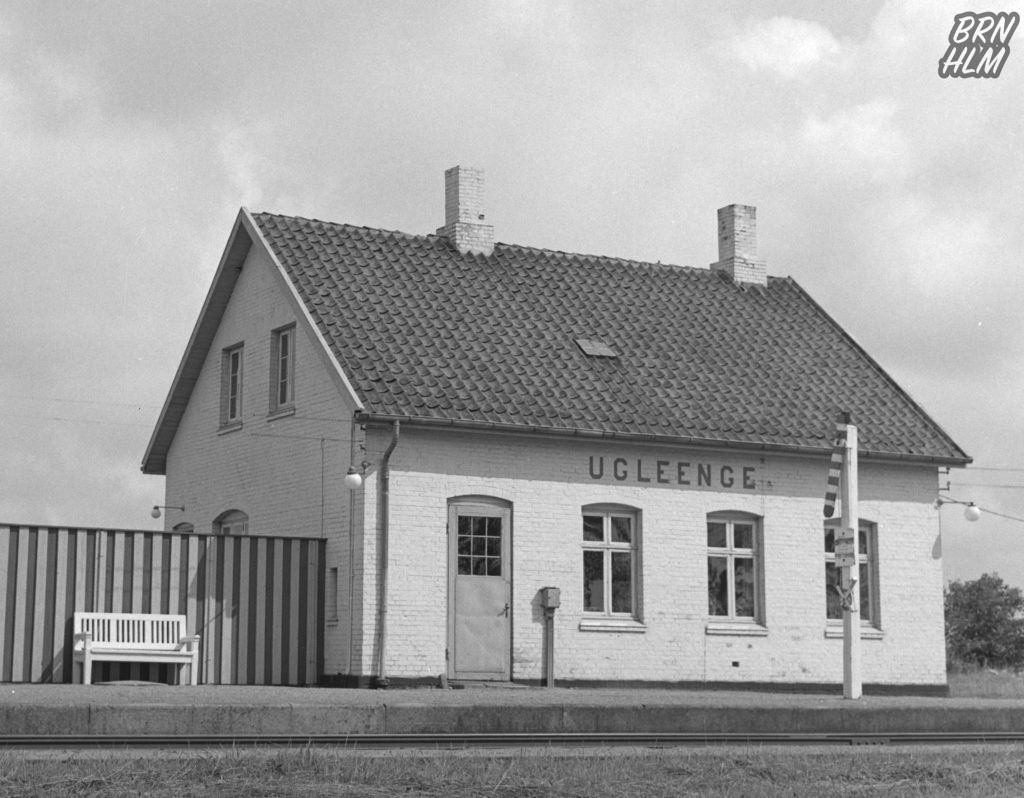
[[850, 573]]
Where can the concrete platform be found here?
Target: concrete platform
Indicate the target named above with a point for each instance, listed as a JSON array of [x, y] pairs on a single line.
[[148, 709]]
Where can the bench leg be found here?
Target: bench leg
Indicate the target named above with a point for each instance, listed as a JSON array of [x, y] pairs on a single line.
[[87, 669]]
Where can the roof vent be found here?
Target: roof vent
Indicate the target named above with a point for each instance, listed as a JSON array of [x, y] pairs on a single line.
[[464, 223], [595, 348]]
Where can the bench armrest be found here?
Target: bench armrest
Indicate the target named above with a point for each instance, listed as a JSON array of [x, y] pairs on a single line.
[[189, 643], [85, 638]]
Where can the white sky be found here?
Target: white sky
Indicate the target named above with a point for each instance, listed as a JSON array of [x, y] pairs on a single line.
[[131, 132]]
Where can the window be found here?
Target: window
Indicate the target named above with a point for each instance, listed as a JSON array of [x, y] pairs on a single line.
[[610, 561], [282, 369], [867, 578], [735, 580], [479, 545], [184, 528], [231, 387], [232, 522]]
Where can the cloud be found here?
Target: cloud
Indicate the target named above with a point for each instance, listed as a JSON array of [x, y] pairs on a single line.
[[860, 141], [789, 47]]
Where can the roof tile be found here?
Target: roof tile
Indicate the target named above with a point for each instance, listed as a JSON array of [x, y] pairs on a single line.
[[422, 331]]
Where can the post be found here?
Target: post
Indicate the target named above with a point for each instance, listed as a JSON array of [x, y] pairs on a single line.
[[550, 600], [549, 646], [850, 567]]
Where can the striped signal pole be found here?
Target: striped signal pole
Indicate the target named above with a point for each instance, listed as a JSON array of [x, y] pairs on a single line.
[[835, 466], [843, 476]]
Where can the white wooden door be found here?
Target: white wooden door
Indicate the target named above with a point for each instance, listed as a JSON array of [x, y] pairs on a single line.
[[479, 591]]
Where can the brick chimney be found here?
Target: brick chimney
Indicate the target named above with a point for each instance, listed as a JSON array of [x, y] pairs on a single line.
[[737, 245], [464, 211]]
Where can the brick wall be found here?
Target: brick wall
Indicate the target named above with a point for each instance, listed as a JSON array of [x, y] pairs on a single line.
[[548, 482], [285, 472]]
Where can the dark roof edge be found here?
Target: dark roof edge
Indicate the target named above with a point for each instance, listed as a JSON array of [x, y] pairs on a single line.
[[917, 408], [235, 252], [704, 443]]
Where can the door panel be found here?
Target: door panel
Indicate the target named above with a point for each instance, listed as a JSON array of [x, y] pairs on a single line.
[[479, 592]]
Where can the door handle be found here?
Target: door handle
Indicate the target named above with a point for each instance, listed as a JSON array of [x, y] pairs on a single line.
[[505, 611]]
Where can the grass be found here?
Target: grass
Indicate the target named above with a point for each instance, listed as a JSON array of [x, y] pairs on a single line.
[[985, 683], [993, 771], [726, 772]]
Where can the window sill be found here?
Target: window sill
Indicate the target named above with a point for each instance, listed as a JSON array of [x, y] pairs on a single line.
[[612, 625], [232, 427], [281, 412], [866, 632], [741, 628]]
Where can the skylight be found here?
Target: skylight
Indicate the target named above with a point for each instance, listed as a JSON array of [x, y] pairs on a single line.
[[595, 348]]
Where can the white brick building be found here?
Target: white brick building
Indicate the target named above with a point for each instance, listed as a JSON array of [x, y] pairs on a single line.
[[652, 440]]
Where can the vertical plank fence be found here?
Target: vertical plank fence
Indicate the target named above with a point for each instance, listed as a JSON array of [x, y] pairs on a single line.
[[257, 601]]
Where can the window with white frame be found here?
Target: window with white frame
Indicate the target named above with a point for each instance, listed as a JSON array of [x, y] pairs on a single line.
[[611, 548], [282, 369], [231, 386], [867, 577], [231, 522], [735, 573]]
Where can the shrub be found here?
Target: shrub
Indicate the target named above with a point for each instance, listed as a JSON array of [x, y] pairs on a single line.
[[984, 626]]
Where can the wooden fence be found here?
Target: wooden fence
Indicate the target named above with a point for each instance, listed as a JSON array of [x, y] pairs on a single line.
[[256, 601]]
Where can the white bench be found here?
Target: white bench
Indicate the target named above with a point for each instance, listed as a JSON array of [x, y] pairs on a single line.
[[133, 637]]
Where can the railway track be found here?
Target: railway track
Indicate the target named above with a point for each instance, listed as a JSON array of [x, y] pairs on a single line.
[[483, 741]]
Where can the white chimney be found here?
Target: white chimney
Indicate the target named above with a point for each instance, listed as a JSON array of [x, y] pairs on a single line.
[[464, 223], [737, 245]]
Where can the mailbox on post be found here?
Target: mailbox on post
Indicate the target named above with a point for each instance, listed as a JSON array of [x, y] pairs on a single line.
[[550, 597], [550, 600]]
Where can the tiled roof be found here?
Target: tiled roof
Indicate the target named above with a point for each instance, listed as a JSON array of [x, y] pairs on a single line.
[[425, 333]]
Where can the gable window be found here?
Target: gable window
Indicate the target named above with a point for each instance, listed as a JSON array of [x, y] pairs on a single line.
[[282, 369], [232, 522], [735, 573], [867, 576], [611, 549], [231, 386]]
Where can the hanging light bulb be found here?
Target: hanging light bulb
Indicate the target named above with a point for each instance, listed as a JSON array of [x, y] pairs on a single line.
[[972, 512], [353, 479]]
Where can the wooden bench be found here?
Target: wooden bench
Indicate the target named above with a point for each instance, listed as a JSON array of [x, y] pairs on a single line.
[[133, 637]]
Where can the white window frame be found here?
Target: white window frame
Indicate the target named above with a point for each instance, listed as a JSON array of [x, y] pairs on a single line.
[[606, 619], [870, 621], [731, 623], [232, 376], [282, 369]]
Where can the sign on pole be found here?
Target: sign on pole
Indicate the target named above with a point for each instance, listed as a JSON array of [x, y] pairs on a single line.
[[846, 548]]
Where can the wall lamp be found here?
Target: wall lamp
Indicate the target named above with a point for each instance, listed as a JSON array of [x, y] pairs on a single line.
[[155, 512], [972, 512], [354, 477]]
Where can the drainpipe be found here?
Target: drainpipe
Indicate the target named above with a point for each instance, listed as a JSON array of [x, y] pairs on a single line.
[[351, 548], [382, 600]]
